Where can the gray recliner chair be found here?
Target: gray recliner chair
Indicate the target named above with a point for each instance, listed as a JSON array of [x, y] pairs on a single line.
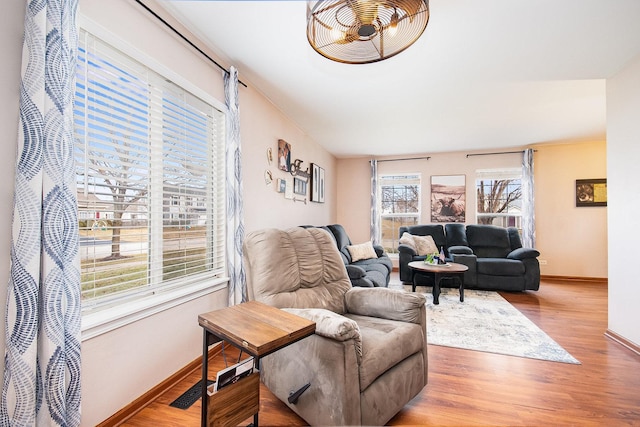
[[368, 356]]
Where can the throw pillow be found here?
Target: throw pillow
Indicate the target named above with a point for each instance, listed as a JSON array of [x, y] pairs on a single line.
[[425, 245], [362, 251], [407, 239]]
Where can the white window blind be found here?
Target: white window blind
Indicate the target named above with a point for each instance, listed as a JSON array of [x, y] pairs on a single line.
[[150, 174]]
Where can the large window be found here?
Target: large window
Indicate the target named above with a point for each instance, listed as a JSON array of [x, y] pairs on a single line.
[[499, 197], [399, 206], [150, 175]]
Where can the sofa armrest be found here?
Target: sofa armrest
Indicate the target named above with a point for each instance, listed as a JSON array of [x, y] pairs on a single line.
[[523, 253], [384, 303], [355, 272], [332, 325], [379, 250], [460, 250], [329, 324], [405, 249]]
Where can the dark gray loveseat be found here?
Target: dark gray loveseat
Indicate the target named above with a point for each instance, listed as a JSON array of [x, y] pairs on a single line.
[[494, 255]]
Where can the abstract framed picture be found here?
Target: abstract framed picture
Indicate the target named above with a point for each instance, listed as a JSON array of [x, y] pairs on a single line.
[[321, 186], [317, 183], [591, 192], [448, 198]]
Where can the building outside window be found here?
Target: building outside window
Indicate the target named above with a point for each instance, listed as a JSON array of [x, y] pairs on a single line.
[[499, 197], [399, 206], [150, 174]]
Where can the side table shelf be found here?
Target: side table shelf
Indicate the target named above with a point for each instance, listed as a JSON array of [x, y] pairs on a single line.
[[257, 329], [234, 403]]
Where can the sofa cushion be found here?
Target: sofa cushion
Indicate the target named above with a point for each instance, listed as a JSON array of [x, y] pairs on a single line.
[[362, 251], [488, 241], [307, 271], [456, 234], [436, 231], [500, 267], [422, 245], [385, 343]]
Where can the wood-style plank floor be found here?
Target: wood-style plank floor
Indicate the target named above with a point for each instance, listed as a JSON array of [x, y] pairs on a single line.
[[475, 388]]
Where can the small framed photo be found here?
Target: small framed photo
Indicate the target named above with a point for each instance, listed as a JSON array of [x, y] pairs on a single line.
[[281, 185], [299, 186], [591, 192]]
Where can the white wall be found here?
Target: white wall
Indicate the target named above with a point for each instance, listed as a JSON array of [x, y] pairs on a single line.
[[623, 154]]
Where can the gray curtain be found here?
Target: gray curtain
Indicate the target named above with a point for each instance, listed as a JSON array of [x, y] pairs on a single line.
[[528, 201], [42, 356], [375, 218], [235, 215]]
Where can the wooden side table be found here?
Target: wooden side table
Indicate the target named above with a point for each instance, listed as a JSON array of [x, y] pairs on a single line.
[[258, 329], [438, 272]]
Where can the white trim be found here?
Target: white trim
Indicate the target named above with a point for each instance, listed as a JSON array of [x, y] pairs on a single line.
[[103, 321]]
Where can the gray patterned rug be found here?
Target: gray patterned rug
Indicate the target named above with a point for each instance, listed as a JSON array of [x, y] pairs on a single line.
[[487, 322]]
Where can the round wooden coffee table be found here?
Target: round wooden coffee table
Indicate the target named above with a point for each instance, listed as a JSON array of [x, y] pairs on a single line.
[[438, 272]]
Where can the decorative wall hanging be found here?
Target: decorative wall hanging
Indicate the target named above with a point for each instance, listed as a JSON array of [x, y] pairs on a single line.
[[288, 189], [317, 183], [284, 155], [296, 169], [448, 198], [591, 192], [269, 156], [321, 186], [281, 185], [268, 177], [300, 186]]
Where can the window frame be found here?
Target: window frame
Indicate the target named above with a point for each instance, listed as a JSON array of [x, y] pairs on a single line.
[[110, 317], [384, 180], [495, 175]]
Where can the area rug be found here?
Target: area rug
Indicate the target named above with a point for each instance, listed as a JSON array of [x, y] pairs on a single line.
[[487, 322]]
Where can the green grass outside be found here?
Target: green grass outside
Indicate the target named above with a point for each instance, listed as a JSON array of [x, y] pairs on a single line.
[[131, 272]]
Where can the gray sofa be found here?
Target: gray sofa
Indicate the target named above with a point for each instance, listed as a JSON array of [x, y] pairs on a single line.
[[494, 255], [368, 356]]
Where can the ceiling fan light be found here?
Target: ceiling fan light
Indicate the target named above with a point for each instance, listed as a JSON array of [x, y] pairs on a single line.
[[370, 30], [393, 25]]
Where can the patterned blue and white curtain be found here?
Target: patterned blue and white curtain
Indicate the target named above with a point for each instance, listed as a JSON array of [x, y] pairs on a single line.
[[375, 218], [528, 201], [42, 357], [235, 215]]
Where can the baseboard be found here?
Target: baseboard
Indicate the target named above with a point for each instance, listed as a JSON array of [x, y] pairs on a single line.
[[623, 341], [141, 402], [576, 279]]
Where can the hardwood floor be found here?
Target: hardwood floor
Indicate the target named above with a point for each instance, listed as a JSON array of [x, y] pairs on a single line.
[[475, 388]]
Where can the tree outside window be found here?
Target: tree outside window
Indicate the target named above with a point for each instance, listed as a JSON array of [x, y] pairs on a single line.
[[399, 206], [499, 197]]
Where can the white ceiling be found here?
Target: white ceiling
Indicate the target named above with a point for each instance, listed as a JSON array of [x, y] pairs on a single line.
[[486, 74]]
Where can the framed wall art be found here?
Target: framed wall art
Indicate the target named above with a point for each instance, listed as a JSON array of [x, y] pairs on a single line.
[[448, 198], [300, 186], [321, 186], [284, 155], [317, 183], [591, 192]]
